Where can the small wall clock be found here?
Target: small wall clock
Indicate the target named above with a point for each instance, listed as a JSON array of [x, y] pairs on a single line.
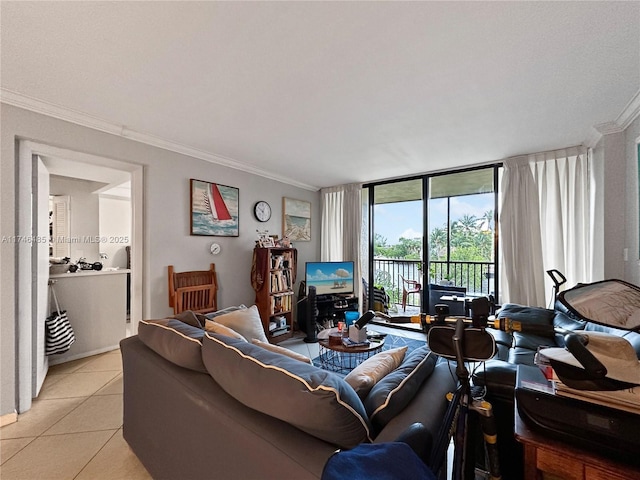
[[262, 211], [215, 248]]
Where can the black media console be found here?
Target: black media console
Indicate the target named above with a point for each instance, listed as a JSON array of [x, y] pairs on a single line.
[[332, 307]]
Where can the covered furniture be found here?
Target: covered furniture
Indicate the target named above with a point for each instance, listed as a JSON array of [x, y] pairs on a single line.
[[194, 290], [409, 286], [436, 292], [201, 405], [519, 348]]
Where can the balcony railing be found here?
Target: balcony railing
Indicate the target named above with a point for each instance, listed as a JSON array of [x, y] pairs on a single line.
[[476, 277]]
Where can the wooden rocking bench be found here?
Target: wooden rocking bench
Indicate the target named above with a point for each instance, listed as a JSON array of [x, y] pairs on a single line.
[[195, 291]]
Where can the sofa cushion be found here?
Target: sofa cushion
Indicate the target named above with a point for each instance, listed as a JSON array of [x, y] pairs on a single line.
[[282, 351], [174, 340], [316, 401], [394, 392], [217, 313], [527, 315], [215, 327], [245, 321], [373, 369]]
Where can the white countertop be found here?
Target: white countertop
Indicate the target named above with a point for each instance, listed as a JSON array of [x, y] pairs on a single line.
[[87, 273]]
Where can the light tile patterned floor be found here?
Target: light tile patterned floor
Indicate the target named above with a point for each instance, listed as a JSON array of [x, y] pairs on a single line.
[[74, 428]]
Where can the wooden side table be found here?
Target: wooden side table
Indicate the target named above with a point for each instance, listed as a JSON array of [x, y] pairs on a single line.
[[544, 455]]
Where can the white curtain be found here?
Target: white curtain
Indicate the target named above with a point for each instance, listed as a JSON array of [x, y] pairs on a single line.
[[341, 226], [522, 279], [546, 223], [563, 179]]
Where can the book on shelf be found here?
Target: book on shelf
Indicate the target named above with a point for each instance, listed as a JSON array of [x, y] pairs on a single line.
[[280, 281], [277, 261], [279, 331], [281, 303]]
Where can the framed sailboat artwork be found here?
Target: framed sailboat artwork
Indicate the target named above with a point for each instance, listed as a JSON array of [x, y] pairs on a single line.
[[214, 209]]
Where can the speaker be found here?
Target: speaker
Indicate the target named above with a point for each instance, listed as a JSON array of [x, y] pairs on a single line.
[[312, 314]]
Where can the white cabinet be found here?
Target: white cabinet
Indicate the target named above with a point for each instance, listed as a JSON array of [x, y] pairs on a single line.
[[96, 304]]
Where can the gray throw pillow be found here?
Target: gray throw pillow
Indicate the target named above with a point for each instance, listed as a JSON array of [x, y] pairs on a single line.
[[394, 392], [176, 341], [191, 318], [316, 401]]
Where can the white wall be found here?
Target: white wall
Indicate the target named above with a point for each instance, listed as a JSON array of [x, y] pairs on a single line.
[[615, 163], [632, 210], [166, 220], [83, 214], [115, 225]]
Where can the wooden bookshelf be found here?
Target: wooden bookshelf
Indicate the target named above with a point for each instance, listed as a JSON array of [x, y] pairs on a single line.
[[273, 275]]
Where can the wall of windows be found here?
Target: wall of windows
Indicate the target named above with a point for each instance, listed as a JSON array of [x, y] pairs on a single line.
[[434, 229]]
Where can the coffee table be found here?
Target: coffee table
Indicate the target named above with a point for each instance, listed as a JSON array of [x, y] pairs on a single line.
[[342, 359]]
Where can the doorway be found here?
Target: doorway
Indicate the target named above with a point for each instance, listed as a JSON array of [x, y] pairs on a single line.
[[33, 267]]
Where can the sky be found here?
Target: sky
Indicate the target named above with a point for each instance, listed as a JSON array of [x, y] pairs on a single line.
[[395, 220]]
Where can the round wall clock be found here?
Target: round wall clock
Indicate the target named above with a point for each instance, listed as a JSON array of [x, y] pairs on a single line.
[[262, 211], [215, 248]]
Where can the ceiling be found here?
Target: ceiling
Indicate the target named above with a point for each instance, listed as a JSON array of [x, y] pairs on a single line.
[[326, 93]]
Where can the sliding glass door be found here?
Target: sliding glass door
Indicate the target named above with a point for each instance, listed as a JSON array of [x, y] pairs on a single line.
[[433, 231], [397, 246]]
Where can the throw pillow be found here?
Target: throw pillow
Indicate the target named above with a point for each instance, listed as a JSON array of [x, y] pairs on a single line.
[[174, 340], [282, 351], [224, 311], [215, 327], [246, 322], [313, 400], [368, 373], [394, 392], [191, 318]]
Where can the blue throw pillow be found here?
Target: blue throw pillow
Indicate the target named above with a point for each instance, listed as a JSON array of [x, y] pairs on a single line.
[[394, 392]]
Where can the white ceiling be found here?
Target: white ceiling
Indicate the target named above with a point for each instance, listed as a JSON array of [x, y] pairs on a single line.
[[327, 93]]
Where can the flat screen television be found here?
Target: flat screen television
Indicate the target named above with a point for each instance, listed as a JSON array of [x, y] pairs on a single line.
[[329, 278]]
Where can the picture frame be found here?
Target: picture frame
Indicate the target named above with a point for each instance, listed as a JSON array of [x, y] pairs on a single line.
[[268, 242], [214, 209], [296, 220], [265, 240]]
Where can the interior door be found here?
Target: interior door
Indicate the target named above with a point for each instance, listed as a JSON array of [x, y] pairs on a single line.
[[40, 274]]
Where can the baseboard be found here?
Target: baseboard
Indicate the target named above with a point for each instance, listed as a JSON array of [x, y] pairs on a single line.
[[8, 419], [57, 361]]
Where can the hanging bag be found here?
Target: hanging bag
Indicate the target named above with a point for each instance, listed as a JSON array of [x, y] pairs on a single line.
[[59, 333]]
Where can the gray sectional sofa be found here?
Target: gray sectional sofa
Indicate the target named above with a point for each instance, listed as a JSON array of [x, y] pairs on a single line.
[[204, 405]]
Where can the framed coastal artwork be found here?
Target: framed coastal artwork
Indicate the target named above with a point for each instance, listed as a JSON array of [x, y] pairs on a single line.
[[214, 209], [296, 220]]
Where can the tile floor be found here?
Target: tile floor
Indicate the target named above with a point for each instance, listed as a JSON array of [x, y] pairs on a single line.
[[74, 429]]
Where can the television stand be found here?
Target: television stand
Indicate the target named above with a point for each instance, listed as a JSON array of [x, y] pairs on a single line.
[[332, 307]]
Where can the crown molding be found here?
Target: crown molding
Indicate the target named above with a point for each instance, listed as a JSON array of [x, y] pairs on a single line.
[[608, 128], [85, 120], [593, 138], [630, 112]]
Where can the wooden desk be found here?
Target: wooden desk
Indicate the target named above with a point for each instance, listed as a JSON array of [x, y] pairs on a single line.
[[549, 458]]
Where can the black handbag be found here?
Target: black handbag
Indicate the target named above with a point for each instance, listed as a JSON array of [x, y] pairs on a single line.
[[59, 332]]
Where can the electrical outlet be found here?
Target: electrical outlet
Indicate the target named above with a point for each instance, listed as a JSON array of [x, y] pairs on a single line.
[[625, 254]]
